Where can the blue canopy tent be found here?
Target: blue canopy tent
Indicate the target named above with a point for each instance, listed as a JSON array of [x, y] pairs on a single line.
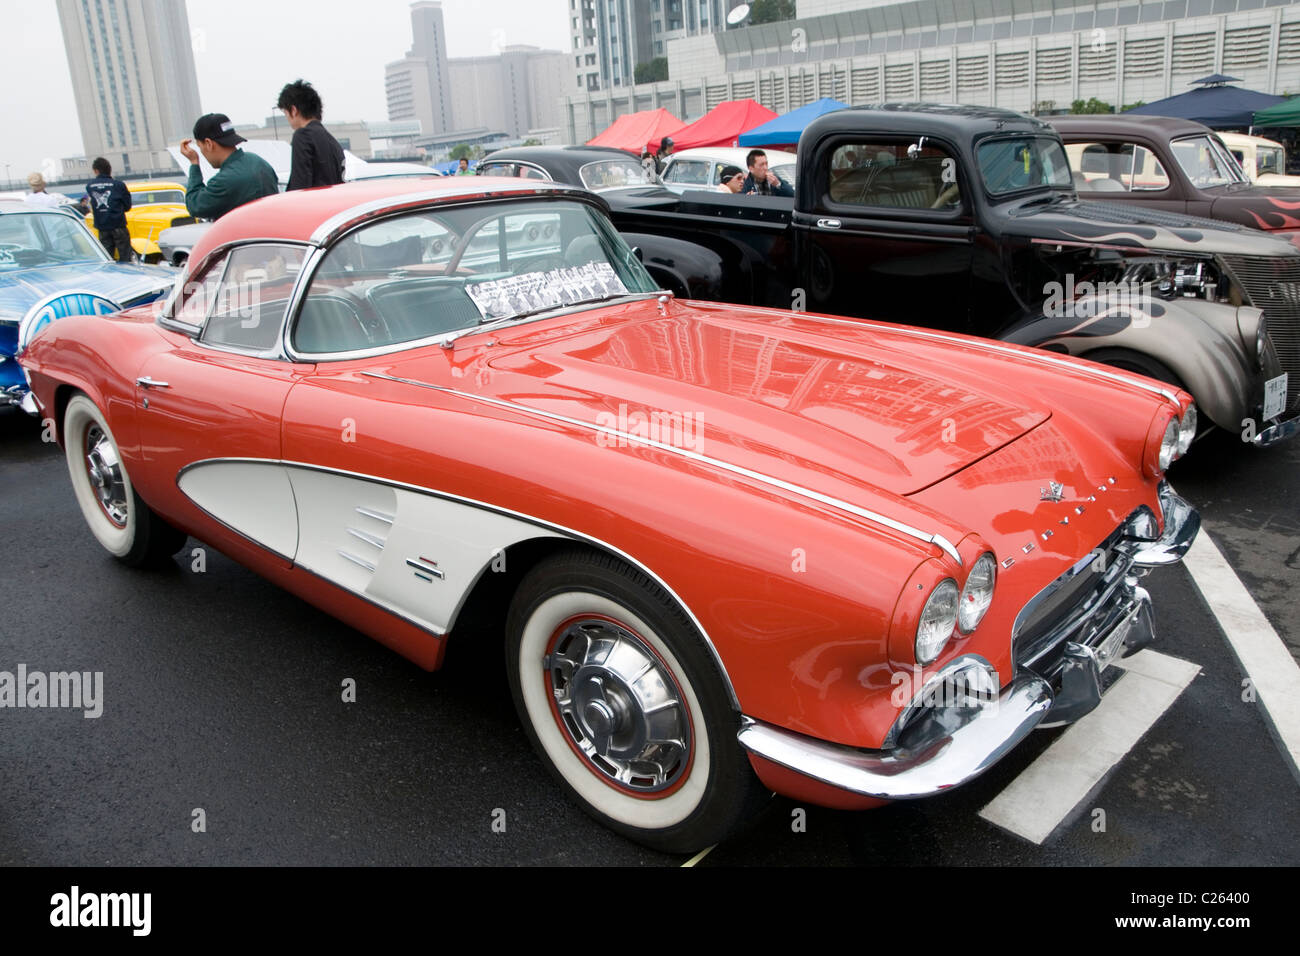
[[785, 129], [1215, 104]]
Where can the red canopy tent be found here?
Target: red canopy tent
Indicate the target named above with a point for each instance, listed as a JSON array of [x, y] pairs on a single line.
[[633, 131], [722, 125]]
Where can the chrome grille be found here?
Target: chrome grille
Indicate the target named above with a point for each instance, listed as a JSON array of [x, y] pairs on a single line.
[[1273, 284]]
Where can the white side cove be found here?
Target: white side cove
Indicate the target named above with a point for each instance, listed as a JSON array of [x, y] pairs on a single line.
[[415, 554]]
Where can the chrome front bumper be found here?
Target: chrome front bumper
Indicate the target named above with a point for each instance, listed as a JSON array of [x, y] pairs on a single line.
[[955, 729]]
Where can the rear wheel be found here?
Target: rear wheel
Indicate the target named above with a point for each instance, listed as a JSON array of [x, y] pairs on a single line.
[[119, 520], [619, 695]]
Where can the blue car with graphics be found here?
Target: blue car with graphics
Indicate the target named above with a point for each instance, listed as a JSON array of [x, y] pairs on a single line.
[[52, 266]]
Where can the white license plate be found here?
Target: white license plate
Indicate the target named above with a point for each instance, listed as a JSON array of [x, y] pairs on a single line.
[[1275, 397]]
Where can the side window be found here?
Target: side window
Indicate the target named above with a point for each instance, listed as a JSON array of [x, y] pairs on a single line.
[[900, 174], [199, 294], [252, 297], [496, 169], [688, 173], [1117, 167], [530, 172]]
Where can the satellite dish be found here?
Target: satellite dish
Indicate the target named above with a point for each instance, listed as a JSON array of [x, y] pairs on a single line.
[[737, 15]]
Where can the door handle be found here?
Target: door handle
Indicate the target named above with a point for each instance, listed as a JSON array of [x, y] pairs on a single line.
[[828, 224], [146, 382]]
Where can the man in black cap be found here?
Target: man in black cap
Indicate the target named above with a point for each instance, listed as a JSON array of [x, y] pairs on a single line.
[[661, 158], [317, 156], [241, 176]]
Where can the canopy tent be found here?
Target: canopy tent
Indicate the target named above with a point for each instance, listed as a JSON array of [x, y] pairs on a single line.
[[638, 131], [722, 125], [1215, 104], [1286, 113], [785, 129]]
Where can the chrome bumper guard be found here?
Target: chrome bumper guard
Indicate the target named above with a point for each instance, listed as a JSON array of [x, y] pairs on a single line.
[[939, 743], [1278, 433]]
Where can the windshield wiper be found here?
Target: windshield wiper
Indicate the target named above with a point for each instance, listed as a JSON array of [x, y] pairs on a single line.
[[486, 325]]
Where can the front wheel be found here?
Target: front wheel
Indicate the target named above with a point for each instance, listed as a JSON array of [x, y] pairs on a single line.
[[619, 695], [119, 520]]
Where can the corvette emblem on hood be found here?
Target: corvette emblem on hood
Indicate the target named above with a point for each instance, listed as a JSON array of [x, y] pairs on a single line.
[[1054, 491]]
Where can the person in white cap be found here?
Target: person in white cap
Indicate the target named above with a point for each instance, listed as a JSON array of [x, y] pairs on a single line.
[[38, 196]]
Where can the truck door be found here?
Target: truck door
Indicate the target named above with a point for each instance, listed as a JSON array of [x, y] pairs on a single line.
[[889, 234]]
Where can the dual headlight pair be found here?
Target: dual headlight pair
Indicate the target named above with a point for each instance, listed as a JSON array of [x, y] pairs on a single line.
[[949, 610], [1174, 441]]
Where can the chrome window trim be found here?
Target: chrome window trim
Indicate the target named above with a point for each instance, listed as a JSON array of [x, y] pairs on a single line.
[[935, 539], [314, 260], [193, 267], [486, 506], [338, 224]]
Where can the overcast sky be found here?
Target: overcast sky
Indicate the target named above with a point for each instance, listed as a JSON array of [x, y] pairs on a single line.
[[245, 50]]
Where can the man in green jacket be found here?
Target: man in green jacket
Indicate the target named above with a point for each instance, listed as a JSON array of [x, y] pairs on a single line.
[[241, 176]]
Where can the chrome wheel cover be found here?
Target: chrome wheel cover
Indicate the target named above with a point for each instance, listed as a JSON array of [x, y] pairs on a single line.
[[104, 468], [619, 706]]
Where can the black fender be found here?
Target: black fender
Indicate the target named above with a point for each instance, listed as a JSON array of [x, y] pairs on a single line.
[[692, 270], [1200, 342]]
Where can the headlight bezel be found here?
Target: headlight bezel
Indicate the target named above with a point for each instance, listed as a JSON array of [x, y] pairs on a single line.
[[989, 564], [944, 627]]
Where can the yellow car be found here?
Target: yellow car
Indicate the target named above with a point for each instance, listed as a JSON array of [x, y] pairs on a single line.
[[155, 206]]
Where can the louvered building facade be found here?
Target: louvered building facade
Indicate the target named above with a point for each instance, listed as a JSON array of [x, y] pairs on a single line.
[[1029, 55]]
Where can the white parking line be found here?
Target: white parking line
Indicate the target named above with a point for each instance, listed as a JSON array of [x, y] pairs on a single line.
[[1049, 789], [1258, 649]]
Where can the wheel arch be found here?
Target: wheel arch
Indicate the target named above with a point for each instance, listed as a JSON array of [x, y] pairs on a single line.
[[487, 603]]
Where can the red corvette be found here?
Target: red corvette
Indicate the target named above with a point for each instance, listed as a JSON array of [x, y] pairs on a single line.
[[731, 550]]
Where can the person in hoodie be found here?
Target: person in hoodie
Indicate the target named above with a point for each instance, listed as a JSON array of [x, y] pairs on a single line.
[[109, 203]]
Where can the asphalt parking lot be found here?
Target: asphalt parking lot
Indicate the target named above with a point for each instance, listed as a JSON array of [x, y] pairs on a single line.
[[222, 694]]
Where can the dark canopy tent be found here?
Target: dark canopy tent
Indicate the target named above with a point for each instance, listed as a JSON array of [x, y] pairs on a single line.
[[1215, 104], [785, 129]]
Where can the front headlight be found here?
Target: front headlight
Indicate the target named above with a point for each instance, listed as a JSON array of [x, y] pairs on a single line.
[[1187, 430], [977, 595], [938, 618], [1169, 445]]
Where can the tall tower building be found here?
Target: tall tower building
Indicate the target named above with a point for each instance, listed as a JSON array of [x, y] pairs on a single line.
[[612, 37], [418, 86], [133, 78]]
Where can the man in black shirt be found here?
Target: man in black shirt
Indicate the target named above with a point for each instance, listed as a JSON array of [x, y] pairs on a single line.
[[317, 156], [761, 181], [110, 201]]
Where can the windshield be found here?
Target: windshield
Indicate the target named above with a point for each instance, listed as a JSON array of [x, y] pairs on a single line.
[[1205, 162], [433, 272], [154, 197], [1025, 162], [29, 240], [610, 173]]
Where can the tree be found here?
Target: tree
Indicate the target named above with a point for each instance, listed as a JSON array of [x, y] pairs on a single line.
[[461, 151], [770, 11], [1093, 105], [532, 142], [1133, 106], [653, 71]]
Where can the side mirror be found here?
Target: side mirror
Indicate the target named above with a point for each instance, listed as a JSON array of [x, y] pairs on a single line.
[[636, 251]]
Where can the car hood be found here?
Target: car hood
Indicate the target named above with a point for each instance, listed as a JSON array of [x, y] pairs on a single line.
[[1262, 207], [785, 395], [1130, 225], [21, 289]]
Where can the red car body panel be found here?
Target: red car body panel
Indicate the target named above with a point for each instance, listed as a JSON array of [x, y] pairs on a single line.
[[812, 609]]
